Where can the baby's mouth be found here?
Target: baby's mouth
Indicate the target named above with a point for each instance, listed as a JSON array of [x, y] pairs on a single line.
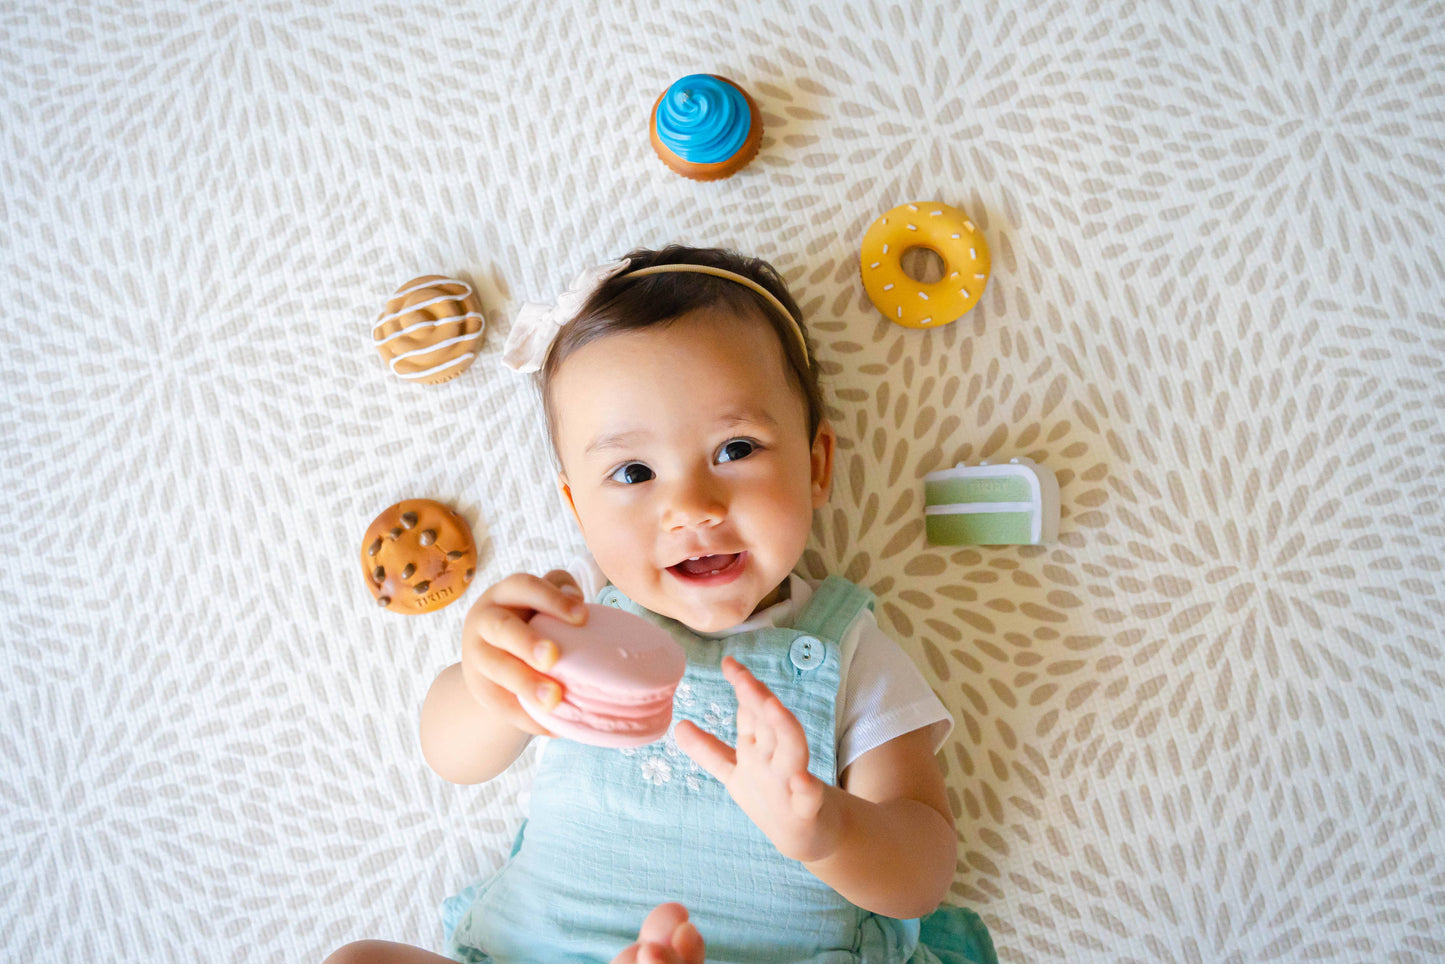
[[704, 566]]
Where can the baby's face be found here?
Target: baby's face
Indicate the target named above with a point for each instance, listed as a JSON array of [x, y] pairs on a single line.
[[686, 460]]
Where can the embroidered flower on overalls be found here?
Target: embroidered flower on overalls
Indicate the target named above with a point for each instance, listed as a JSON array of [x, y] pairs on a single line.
[[656, 770], [717, 716], [684, 695], [662, 761]]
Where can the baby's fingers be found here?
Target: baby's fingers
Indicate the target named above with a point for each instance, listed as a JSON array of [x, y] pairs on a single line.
[[488, 664], [555, 594], [789, 740], [752, 694], [710, 753], [501, 655], [771, 728], [502, 630]]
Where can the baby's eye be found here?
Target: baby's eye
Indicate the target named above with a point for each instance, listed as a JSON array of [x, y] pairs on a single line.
[[631, 473], [738, 448]]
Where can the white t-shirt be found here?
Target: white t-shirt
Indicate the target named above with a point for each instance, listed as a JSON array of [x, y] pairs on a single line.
[[884, 694]]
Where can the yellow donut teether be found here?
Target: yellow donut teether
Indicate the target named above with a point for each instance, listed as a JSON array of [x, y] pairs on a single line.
[[948, 233]]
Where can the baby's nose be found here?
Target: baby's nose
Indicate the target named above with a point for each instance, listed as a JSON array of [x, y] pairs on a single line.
[[696, 503]]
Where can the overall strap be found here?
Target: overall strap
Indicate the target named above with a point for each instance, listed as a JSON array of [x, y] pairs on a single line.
[[834, 606]]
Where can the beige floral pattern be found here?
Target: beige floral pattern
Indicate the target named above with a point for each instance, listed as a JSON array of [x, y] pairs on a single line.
[[1207, 724]]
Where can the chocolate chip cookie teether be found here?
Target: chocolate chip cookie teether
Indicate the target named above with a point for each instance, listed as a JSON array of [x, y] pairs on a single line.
[[418, 556], [429, 330]]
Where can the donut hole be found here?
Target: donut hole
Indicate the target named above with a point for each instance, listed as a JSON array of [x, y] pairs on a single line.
[[922, 264]]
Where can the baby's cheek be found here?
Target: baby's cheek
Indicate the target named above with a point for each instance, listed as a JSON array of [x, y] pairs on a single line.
[[610, 536], [619, 566], [626, 561], [792, 527]]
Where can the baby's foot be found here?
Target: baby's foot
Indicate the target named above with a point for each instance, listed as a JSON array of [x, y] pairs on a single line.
[[667, 937]]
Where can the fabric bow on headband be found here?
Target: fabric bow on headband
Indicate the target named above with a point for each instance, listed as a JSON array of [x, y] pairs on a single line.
[[536, 325]]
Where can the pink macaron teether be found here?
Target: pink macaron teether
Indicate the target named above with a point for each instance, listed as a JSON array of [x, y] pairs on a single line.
[[618, 673]]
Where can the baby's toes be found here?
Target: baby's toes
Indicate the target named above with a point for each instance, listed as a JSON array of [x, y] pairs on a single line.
[[661, 923], [688, 944]]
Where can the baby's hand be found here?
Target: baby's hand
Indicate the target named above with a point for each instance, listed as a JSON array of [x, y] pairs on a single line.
[[767, 773], [503, 658]]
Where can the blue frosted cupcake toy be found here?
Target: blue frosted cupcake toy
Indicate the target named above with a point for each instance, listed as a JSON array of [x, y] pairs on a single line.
[[706, 127]]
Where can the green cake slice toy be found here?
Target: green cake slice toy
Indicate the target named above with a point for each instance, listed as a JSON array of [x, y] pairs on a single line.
[[1010, 504]]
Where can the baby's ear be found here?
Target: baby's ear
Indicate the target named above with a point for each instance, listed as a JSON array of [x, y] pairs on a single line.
[[566, 491], [824, 442]]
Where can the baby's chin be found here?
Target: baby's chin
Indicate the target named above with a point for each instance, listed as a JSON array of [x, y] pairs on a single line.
[[711, 622], [698, 617]]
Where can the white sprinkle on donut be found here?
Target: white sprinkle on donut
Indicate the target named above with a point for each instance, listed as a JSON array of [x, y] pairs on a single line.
[[885, 249], [954, 275], [980, 276], [973, 253], [885, 220], [926, 321], [875, 264], [963, 291], [888, 287], [954, 236], [923, 296], [913, 207], [900, 311], [934, 214], [969, 225], [913, 227]]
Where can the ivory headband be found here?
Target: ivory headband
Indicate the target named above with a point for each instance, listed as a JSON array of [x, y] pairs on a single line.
[[536, 325], [731, 276]]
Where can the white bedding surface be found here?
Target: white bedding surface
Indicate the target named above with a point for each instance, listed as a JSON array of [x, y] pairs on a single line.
[[1208, 725]]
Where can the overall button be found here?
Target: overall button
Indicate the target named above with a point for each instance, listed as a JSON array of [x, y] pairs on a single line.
[[611, 597], [807, 652]]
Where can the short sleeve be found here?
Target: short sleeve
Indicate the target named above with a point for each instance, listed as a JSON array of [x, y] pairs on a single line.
[[589, 578], [884, 695]]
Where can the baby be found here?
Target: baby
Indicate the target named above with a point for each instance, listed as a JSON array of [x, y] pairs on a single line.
[[796, 812]]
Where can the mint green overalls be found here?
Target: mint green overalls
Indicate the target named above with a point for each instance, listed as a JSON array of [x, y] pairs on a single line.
[[613, 833]]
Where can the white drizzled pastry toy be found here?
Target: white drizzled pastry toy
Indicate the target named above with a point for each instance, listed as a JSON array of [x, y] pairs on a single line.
[[429, 330]]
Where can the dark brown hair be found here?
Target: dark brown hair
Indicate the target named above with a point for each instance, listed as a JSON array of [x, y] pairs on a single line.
[[623, 303]]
